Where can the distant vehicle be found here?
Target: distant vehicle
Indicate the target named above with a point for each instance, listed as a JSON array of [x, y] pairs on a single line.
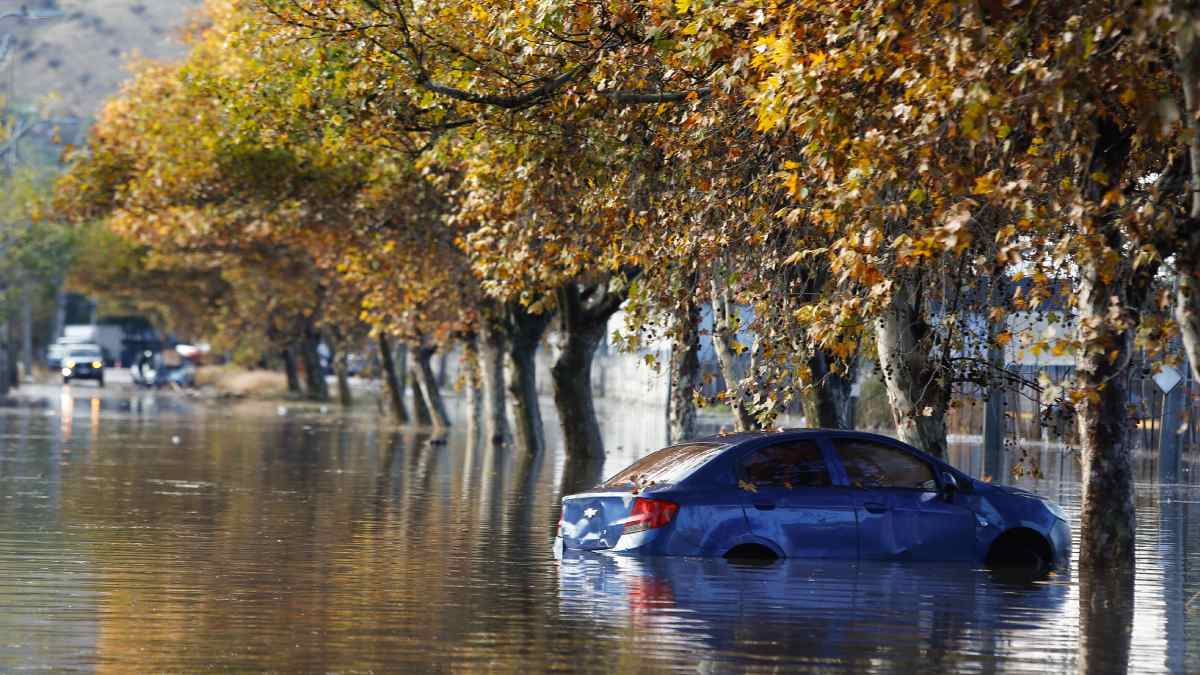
[[811, 494], [121, 338], [55, 354], [171, 368], [109, 338], [83, 362]]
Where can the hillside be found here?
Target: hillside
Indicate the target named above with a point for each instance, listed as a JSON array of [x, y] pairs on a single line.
[[70, 65]]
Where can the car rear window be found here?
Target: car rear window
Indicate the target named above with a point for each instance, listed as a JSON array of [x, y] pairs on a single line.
[[666, 466]]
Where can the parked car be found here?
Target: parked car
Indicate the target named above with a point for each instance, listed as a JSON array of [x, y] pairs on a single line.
[[55, 354], [811, 494], [83, 362]]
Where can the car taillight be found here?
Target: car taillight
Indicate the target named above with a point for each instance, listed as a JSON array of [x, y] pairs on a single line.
[[648, 514]]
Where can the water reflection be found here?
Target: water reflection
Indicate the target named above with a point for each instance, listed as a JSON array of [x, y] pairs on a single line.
[[175, 538], [811, 613]]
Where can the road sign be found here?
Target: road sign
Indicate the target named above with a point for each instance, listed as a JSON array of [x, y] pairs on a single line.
[[1167, 378]]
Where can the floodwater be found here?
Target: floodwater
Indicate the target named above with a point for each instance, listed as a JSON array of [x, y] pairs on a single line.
[[148, 534]]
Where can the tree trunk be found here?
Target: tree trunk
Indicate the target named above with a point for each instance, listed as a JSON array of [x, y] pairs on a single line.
[[27, 330], [727, 347], [993, 415], [427, 385], [14, 355], [60, 311], [5, 364], [1108, 310], [685, 371], [394, 383], [1187, 295], [584, 315], [525, 332], [472, 367], [918, 396], [829, 405], [289, 369], [341, 367], [492, 342], [1107, 519], [420, 409], [314, 377]]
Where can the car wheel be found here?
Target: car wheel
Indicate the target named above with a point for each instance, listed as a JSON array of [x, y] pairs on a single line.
[[66, 380], [100, 382]]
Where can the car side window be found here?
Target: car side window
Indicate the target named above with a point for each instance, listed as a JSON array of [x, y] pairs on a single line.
[[871, 465], [793, 464]]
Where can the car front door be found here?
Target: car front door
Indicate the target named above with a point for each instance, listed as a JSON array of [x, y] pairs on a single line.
[[790, 499], [902, 515]]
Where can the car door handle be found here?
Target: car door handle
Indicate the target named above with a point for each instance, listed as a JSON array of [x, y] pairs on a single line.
[[875, 507], [764, 506]]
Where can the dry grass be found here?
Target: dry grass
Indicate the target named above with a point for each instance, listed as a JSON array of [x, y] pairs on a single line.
[[235, 381]]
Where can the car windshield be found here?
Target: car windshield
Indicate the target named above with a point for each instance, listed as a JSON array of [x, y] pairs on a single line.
[[84, 354], [666, 466]]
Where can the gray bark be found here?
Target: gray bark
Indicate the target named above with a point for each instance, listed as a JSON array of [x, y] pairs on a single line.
[[393, 382], [492, 345], [829, 405], [916, 392], [525, 333], [1187, 296], [727, 346], [584, 315], [427, 385]]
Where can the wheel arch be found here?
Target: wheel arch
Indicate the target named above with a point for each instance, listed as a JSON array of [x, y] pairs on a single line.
[[1020, 538]]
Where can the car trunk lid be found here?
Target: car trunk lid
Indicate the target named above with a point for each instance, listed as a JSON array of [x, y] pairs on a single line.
[[595, 520]]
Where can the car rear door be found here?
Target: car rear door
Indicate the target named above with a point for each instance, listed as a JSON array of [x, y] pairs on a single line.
[[902, 515], [790, 499]]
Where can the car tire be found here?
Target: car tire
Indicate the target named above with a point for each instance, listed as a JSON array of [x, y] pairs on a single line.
[[66, 380], [100, 382]]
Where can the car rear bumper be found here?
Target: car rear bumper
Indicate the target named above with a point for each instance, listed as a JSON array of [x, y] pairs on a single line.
[[647, 542]]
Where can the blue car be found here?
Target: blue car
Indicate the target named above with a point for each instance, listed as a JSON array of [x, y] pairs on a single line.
[[811, 494]]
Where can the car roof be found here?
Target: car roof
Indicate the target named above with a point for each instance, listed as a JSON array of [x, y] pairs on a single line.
[[740, 437], [733, 441]]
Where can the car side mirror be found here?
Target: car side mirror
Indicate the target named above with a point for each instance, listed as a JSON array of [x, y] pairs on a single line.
[[949, 485]]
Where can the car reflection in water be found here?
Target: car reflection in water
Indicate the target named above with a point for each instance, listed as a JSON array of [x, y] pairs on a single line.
[[814, 613]]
